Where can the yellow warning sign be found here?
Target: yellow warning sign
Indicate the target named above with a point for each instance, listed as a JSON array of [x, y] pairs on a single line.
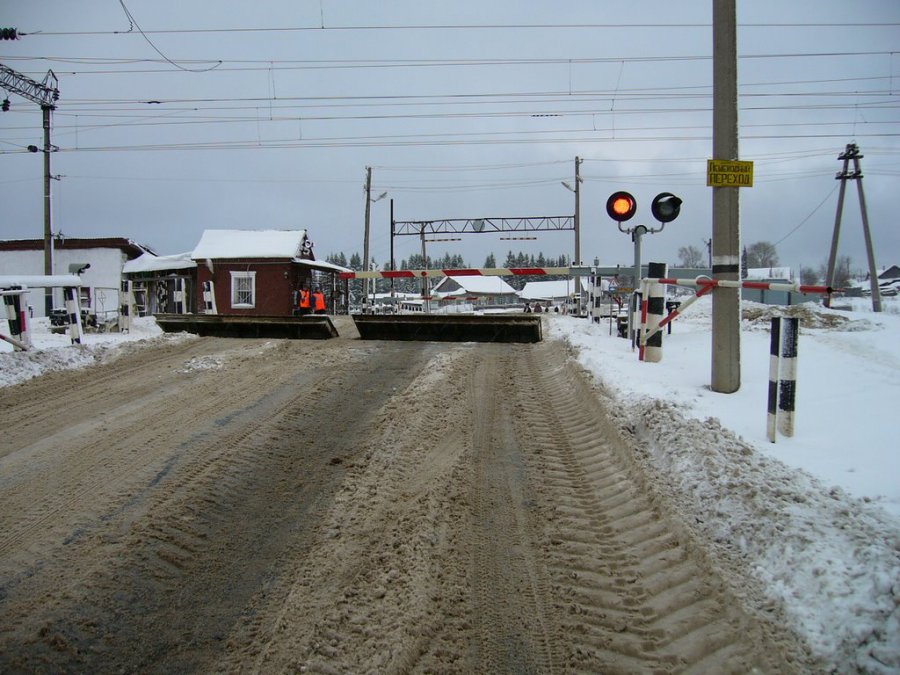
[[729, 173]]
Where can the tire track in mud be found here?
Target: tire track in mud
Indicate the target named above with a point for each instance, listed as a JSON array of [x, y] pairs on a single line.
[[156, 581], [510, 593], [93, 475], [130, 365], [633, 596]]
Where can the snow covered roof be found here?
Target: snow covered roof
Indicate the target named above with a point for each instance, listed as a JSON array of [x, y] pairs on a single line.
[[154, 263], [321, 265], [545, 290], [223, 244], [479, 284]]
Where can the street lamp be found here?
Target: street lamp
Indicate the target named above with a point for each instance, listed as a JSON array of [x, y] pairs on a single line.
[[577, 191]]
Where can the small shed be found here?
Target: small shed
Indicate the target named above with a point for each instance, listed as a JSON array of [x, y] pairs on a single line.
[[480, 291], [162, 283], [259, 272]]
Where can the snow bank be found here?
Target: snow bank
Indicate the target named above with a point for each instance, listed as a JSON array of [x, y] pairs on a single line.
[[814, 519]]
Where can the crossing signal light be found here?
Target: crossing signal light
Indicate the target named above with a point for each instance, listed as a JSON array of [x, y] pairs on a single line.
[[665, 207], [621, 206], [8, 34]]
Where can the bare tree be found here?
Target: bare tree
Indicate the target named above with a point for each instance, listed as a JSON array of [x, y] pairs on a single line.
[[690, 256], [809, 276], [762, 254], [842, 276]]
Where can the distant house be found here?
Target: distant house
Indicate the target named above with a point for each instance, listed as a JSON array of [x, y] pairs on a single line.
[[101, 260], [478, 290], [555, 292], [892, 272], [259, 272]]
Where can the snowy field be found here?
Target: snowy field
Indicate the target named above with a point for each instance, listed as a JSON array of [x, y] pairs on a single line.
[[816, 517]]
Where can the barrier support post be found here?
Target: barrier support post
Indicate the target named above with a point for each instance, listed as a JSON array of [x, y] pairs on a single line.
[[17, 318], [656, 307], [73, 309]]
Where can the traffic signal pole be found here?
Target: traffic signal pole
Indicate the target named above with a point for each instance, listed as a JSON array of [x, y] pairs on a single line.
[[726, 231]]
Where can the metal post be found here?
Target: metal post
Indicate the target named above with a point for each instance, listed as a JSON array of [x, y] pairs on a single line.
[[577, 280], [393, 264], [726, 302], [426, 303], [636, 235]]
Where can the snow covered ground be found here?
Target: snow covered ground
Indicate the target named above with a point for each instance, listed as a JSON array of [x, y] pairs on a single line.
[[816, 517]]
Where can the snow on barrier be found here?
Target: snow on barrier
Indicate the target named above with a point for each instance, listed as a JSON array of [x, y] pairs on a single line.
[[782, 376], [19, 336], [71, 285]]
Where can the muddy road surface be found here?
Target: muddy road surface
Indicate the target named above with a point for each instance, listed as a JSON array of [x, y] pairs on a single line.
[[216, 505]]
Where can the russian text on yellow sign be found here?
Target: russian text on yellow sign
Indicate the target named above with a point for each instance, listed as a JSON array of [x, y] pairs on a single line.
[[729, 173]]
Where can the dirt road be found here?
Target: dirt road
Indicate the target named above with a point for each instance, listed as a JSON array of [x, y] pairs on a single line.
[[346, 507]]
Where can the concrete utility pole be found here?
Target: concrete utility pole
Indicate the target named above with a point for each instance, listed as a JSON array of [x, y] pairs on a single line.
[[726, 229], [852, 153], [45, 96], [366, 240], [577, 260]]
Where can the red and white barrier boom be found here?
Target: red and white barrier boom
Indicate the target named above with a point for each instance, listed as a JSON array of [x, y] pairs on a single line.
[[484, 272], [705, 285]]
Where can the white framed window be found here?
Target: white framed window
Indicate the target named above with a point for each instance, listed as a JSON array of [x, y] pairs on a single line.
[[243, 290]]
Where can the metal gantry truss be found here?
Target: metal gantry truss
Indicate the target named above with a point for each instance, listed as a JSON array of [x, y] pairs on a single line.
[[41, 93], [482, 225]]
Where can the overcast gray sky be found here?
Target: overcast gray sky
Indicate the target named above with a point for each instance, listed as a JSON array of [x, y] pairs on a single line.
[[266, 114]]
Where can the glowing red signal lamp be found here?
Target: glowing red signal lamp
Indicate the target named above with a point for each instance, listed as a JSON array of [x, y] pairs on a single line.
[[621, 206]]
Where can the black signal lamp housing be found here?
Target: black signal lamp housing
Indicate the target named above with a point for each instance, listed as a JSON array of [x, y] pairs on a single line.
[[665, 207]]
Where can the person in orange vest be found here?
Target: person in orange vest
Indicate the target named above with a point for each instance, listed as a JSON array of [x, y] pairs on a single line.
[[318, 301], [305, 304]]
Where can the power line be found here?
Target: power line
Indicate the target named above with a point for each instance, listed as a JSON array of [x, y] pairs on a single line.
[[812, 213], [466, 27]]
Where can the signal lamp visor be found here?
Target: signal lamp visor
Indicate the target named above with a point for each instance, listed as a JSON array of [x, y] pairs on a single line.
[[621, 206], [665, 207]]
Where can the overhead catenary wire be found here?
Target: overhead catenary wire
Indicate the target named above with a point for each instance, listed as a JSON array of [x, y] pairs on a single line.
[[466, 27]]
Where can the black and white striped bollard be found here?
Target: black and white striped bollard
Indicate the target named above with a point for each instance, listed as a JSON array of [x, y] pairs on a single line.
[[782, 376]]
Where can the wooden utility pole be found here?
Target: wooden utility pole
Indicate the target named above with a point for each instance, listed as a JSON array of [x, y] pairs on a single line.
[[851, 153], [726, 230]]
